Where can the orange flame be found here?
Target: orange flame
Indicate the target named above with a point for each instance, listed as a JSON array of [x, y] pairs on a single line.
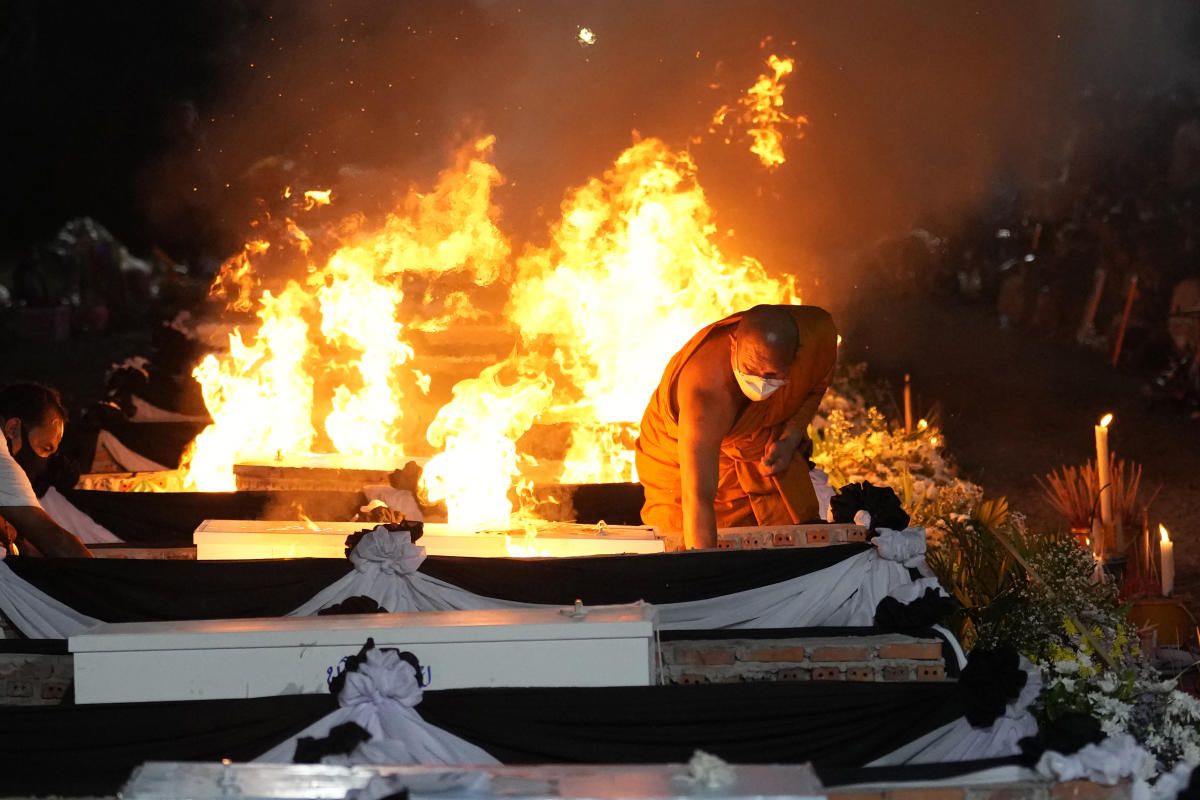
[[631, 270], [761, 114]]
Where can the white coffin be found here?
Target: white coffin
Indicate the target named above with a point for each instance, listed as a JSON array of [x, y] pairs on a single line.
[[250, 539], [158, 780], [214, 659]]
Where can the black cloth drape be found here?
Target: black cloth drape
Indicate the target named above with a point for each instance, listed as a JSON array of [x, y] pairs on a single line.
[[75, 750], [129, 590], [172, 517], [91, 750]]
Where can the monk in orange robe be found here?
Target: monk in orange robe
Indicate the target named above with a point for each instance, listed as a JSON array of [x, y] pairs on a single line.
[[724, 441]]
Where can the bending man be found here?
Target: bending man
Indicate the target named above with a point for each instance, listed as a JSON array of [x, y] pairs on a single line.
[[724, 442], [32, 419]]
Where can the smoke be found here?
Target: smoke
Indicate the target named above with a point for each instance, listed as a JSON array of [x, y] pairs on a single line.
[[913, 108]]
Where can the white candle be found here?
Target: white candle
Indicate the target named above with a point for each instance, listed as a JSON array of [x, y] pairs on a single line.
[[1166, 549], [1104, 471]]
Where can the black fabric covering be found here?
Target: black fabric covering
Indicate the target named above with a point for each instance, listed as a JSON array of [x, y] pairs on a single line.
[[342, 739], [172, 517], [128, 590], [835, 723], [658, 578], [92, 749], [990, 681], [615, 503], [1067, 734], [928, 609], [880, 502]]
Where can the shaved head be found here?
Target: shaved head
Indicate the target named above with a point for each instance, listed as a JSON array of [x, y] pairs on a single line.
[[768, 337]]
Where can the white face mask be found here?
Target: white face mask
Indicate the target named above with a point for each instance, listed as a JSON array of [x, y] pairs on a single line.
[[752, 386]]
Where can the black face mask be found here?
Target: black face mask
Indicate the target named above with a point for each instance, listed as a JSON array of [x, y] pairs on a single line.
[[35, 467]]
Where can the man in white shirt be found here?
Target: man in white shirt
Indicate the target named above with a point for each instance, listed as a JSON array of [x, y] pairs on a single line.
[[31, 420]]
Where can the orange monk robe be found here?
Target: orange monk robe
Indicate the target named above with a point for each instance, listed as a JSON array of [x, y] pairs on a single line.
[[744, 495]]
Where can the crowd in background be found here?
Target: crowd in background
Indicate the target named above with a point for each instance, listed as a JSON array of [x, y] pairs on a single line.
[[1112, 208]]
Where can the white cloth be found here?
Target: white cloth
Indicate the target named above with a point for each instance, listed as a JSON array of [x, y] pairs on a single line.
[[64, 512], [1105, 763], [128, 459], [144, 411], [381, 696], [385, 569], [906, 546], [35, 613], [843, 594], [824, 492], [400, 500], [15, 489], [959, 741]]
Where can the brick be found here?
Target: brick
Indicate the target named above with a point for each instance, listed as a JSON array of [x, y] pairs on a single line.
[[796, 674], [692, 678], [54, 690], [860, 674], [785, 539], [19, 688], [926, 651], [817, 537], [930, 673], [856, 535], [772, 654], [927, 793], [1086, 790], [759, 677], [840, 654], [827, 673], [835, 794], [896, 673], [684, 655], [726, 544]]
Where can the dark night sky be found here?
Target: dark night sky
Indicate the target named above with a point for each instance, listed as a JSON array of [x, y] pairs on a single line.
[[165, 120]]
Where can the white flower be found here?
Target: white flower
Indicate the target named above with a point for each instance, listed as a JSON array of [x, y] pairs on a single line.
[[1066, 667], [1108, 683]]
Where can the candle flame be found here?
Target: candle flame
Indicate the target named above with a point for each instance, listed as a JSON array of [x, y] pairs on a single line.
[[1162, 531], [1105, 420]]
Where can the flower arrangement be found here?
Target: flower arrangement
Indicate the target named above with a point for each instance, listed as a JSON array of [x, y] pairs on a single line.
[[854, 442], [1036, 592]]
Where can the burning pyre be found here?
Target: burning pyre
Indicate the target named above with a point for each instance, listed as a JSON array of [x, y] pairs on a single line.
[[555, 349]]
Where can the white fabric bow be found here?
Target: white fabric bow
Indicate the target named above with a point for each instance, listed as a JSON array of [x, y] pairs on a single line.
[[380, 696], [905, 547], [383, 676], [392, 552]]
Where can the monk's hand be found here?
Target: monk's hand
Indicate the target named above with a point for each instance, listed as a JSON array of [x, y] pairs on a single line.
[[778, 455]]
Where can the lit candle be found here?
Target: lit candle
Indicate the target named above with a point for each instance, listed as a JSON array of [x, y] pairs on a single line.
[[908, 425], [1166, 549], [1104, 471]]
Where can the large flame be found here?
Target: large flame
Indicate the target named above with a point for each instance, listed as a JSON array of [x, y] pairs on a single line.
[[328, 362], [631, 272], [342, 360]]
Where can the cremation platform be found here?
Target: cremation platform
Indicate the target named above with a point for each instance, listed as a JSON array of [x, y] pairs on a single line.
[[234, 658], [217, 539]]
